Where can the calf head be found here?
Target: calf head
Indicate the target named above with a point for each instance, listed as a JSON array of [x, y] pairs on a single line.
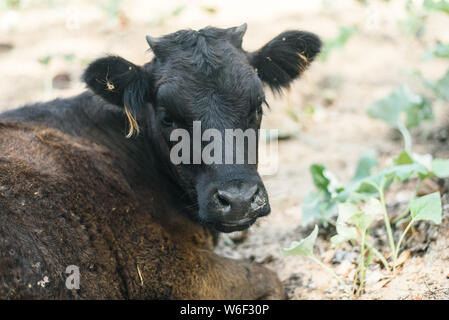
[[203, 84]]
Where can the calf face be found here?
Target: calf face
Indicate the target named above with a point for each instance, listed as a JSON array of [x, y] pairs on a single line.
[[198, 81]]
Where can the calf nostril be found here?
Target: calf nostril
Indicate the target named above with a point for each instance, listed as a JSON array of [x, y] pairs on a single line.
[[243, 199], [255, 195], [258, 200], [223, 198]]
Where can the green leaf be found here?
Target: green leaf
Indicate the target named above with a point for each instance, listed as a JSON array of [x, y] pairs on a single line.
[[317, 206], [360, 197], [320, 205], [427, 208], [69, 57], [361, 221], [441, 5], [440, 168], [372, 209], [345, 211], [440, 51], [367, 188], [344, 233], [319, 179], [366, 163], [441, 87], [45, 60], [402, 101], [403, 158], [305, 246], [338, 239], [405, 171], [324, 179], [348, 212], [363, 171], [418, 113], [407, 164], [371, 184]]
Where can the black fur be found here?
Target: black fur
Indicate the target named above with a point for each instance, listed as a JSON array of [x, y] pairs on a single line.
[[203, 76], [200, 75], [281, 60], [78, 191], [119, 82]]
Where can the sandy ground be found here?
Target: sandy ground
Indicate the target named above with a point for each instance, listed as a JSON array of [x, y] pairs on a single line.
[[374, 61]]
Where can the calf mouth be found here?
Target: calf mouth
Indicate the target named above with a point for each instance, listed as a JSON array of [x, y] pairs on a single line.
[[231, 226]]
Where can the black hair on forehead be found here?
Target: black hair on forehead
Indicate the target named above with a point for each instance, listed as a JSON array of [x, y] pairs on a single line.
[[205, 74], [207, 48]]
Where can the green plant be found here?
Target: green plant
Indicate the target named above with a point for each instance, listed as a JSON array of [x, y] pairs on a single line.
[[441, 87], [353, 209], [364, 185], [45, 60], [405, 166], [441, 50], [111, 7], [305, 248], [209, 10], [415, 21], [13, 3], [67, 57], [344, 34], [441, 5], [403, 109], [353, 225], [362, 202], [321, 205]]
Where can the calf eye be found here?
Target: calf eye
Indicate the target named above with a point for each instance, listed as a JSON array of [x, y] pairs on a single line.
[[257, 115], [259, 111], [166, 120]]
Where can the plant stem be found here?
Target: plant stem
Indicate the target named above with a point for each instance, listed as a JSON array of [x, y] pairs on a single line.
[[418, 186], [406, 135], [379, 255], [332, 272], [398, 223], [362, 266], [387, 221], [396, 253]]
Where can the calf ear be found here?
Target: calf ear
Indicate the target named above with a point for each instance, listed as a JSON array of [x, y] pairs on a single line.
[[285, 57], [122, 83]]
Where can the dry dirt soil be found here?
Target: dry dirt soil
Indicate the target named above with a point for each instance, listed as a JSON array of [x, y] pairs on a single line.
[[379, 57]]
